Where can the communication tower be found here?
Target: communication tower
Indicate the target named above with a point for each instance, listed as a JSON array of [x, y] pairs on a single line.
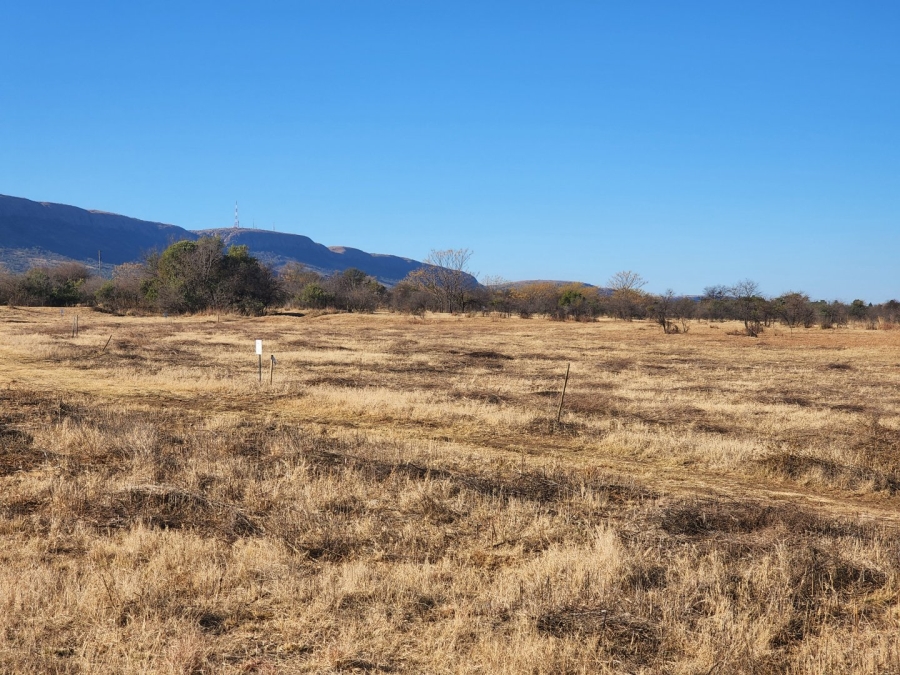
[[237, 222]]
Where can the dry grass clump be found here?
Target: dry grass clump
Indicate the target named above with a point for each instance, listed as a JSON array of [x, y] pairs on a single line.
[[401, 499]]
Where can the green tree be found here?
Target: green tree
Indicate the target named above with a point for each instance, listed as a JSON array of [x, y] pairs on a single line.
[[859, 310], [795, 309], [191, 276]]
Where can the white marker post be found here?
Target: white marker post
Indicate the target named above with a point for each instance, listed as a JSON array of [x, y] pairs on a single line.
[[259, 354]]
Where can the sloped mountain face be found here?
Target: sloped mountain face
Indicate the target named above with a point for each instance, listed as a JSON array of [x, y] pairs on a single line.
[[279, 248], [78, 234], [40, 232]]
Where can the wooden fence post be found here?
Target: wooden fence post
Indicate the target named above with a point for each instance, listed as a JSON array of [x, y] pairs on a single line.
[[562, 394]]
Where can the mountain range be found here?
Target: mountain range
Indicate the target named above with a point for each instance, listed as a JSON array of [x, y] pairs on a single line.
[[40, 233]]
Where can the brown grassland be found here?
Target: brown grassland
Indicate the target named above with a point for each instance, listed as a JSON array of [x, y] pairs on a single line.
[[400, 499]]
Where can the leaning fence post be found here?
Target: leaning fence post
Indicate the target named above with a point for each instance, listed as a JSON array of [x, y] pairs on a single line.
[[562, 394]]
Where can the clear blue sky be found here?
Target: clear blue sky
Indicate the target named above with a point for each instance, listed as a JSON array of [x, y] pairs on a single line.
[[694, 142]]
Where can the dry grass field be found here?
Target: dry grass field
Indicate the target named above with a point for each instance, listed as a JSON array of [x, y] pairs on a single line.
[[401, 500]]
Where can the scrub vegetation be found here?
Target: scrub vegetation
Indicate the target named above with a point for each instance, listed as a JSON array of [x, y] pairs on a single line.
[[206, 276], [402, 499]]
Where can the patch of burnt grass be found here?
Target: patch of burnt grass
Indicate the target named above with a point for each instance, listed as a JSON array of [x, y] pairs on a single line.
[[816, 576], [169, 507], [325, 545], [548, 426], [346, 506], [877, 441], [435, 512], [701, 518], [21, 507], [713, 428], [592, 404], [848, 407], [539, 356], [364, 665], [784, 399], [535, 486], [422, 368], [490, 397], [616, 365], [337, 381], [839, 366], [792, 632], [488, 355], [616, 407], [174, 355], [211, 622], [794, 467], [622, 634], [682, 417], [644, 576], [20, 406], [17, 452], [405, 346]]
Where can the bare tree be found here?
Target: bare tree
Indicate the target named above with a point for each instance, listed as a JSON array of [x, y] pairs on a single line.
[[446, 276], [663, 308], [627, 299], [500, 294], [749, 304], [627, 281], [8, 283], [684, 309], [715, 304]]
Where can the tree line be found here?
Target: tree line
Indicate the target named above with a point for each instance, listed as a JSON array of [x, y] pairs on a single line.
[[205, 275]]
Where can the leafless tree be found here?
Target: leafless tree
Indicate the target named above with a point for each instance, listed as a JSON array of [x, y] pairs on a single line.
[[685, 309], [627, 299], [500, 294], [663, 309], [627, 281], [446, 276], [749, 304], [7, 286]]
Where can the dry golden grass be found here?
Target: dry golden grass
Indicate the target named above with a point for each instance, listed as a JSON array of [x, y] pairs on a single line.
[[401, 500]]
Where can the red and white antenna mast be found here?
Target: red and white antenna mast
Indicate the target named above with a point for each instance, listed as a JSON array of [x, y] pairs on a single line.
[[237, 222]]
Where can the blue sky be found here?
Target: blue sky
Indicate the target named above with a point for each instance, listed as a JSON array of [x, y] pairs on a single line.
[[697, 143]]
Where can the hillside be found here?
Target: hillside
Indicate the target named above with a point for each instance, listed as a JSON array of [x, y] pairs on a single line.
[[40, 233], [279, 248], [35, 231]]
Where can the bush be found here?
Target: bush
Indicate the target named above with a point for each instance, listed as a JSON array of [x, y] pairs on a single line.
[[192, 276]]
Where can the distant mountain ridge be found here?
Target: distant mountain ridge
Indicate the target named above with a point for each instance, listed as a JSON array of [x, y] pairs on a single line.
[[47, 233], [280, 248]]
